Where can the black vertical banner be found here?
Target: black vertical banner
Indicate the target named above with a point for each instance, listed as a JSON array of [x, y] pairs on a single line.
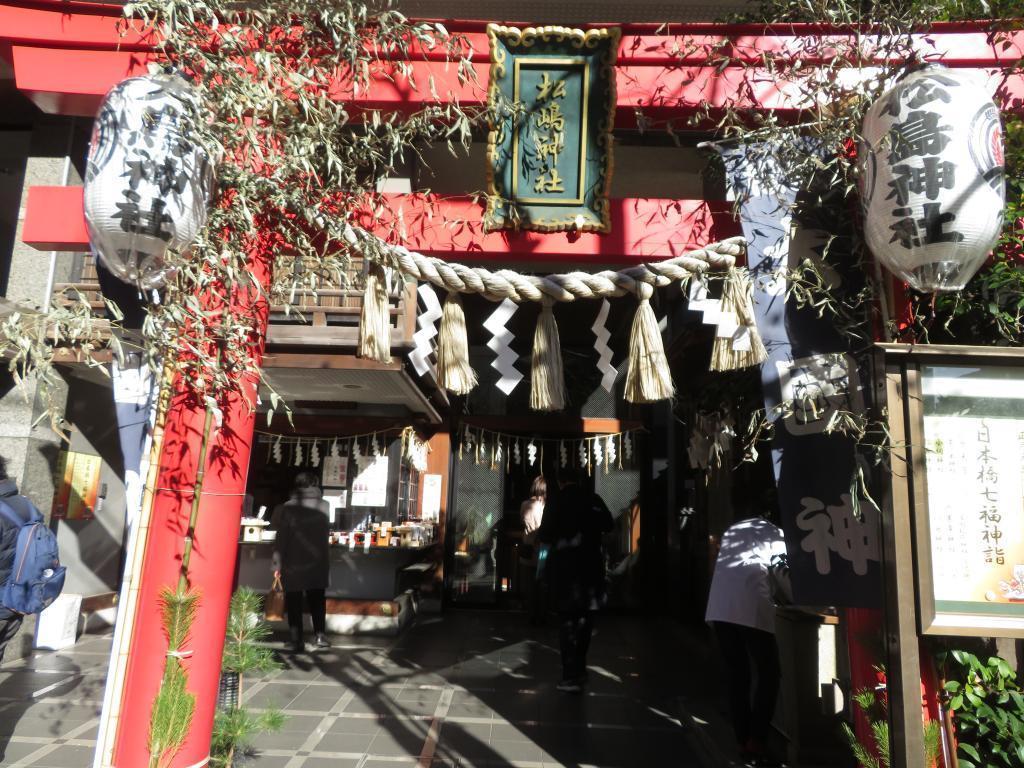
[[808, 382]]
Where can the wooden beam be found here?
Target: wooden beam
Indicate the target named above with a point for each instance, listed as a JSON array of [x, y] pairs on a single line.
[[327, 362], [551, 424]]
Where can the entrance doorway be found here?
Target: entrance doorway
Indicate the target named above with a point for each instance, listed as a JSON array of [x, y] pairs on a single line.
[[485, 527]]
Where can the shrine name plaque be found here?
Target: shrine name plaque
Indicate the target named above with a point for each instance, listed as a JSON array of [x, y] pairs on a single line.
[[549, 150]]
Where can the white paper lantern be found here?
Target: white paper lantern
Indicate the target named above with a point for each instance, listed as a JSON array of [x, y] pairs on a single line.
[[932, 177], [147, 182]]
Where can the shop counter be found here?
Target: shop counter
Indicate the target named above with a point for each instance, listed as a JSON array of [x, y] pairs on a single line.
[[379, 573]]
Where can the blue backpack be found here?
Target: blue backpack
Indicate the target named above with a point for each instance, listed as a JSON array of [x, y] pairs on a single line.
[[37, 577]]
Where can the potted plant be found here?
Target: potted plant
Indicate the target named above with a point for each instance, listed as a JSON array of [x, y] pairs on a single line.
[[244, 653]]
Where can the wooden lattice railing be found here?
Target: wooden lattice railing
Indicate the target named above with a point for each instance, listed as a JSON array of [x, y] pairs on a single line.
[[328, 319]]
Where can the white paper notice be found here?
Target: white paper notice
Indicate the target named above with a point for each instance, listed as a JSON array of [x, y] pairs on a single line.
[[370, 488], [334, 472], [335, 501], [431, 497]]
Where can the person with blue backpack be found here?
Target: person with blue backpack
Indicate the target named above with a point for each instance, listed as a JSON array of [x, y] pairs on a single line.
[[31, 576]]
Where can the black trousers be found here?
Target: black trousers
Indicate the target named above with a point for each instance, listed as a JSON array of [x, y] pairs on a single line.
[[752, 674], [8, 629], [575, 626], [316, 602]]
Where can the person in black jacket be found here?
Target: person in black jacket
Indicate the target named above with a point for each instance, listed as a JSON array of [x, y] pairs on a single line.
[[10, 621], [575, 520], [302, 558]]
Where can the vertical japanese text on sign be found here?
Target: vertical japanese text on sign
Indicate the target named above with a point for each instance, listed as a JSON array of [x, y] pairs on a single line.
[[552, 93]]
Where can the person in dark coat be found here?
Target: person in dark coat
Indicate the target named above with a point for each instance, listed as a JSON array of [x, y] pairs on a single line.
[[10, 621], [302, 558], [575, 520]]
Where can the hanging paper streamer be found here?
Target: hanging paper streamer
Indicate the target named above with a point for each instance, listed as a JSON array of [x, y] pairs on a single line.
[[376, 445], [701, 301], [357, 452], [426, 322], [517, 454], [278, 458], [604, 352], [598, 454], [298, 454], [610, 448], [563, 454], [531, 453], [627, 446], [501, 345], [314, 454], [334, 449], [584, 455]]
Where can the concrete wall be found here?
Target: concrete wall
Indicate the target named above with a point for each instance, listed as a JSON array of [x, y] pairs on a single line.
[[48, 151]]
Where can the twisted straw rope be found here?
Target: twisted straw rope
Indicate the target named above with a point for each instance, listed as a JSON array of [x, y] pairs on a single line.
[[508, 284]]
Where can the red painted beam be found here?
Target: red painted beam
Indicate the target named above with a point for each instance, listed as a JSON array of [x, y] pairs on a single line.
[[55, 219], [642, 229], [74, 81], [73, 27], [101, 27]]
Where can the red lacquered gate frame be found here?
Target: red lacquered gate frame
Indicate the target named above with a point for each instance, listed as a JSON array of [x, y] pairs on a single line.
[[211, 567]]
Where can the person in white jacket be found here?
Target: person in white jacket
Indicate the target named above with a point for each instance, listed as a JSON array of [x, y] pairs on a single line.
[[742, 613]]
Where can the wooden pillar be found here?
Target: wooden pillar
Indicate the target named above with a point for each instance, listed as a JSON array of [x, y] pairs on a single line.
[[901, 637]]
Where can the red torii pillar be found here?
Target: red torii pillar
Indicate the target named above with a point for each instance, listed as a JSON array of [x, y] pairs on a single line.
[[165, 521]]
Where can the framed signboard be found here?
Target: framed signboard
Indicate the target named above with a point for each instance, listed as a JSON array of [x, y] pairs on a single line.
[[963, 415], [77, 485], [549, 149]]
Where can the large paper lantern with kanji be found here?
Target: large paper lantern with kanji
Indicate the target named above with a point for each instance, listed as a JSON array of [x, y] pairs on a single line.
[[932, 177], [147, 182]]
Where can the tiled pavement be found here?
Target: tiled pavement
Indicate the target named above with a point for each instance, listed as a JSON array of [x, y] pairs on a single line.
[[462, 690]]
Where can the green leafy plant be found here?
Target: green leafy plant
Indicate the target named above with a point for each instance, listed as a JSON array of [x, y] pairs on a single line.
[[174, 705], [245, 631], [988, 706], [873, 708], [234, 728]]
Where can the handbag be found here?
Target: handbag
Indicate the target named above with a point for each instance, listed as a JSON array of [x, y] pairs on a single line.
[[273, 603], [779, 582]]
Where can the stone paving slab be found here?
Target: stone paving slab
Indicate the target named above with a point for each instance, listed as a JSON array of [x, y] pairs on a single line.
[[466, 690]]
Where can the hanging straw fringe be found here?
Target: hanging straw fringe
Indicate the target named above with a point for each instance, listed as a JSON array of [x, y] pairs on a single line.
[[737, 302], [454, 371], [547, 379], [375, 318], [648, 378]]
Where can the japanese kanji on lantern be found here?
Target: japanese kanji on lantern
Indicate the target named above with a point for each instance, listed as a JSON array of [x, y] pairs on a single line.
[[932, 177], [148, 181]]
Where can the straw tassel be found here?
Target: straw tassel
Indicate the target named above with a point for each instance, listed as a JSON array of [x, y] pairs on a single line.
[[547, 379], [375, 318], [454, 371], [648, 378], [737, 302]]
